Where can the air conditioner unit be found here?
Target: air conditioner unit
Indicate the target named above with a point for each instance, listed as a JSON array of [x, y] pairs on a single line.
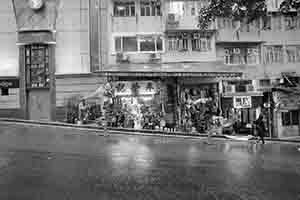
[[171, 17], [155, 56], [227, 52], [230, 89], [255, 51], [184, 35], [252, 51], [121, 57], [250, 88], [236, 50], [196, 35]]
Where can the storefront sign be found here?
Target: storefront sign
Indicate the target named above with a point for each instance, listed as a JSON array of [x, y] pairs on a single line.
[[128, 88], [242, 102], [9, 83]]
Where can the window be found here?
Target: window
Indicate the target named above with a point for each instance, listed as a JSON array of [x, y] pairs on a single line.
[[193, 11], [273, 54], [37, 66], [252, 57], [145, 44], [159, 44], [150, 8], [265, 82], [118, 44], [176, 7], [233, 56], [124, 9], [293, 54], [129, 44], [266, 22], [291, 22], [173, 42], [236, 56], [183, 44], [290, 118], [150, 43], [178, 43], [225, 23], [201, 43], [4, 92], [273, 5], [126, 44], [277, 22]]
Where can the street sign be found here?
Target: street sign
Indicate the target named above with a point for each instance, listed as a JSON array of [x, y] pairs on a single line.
[[9, 83], [242, 102]]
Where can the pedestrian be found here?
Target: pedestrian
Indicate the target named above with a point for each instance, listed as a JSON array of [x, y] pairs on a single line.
[[260, 129], [82, 111]]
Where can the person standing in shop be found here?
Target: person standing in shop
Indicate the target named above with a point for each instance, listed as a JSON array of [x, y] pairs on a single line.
[[82, 111], [260, 128]]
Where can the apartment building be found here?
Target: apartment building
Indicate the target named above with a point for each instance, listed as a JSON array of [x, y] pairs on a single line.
[[156, 56], [233, 63]]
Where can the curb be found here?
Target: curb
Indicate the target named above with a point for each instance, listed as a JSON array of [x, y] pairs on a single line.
[[127, 131]]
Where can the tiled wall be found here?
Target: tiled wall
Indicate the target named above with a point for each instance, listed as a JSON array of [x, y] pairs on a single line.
[[72, 46]]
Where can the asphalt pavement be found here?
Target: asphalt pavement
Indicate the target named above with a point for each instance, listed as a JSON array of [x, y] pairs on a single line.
[[40, 162]]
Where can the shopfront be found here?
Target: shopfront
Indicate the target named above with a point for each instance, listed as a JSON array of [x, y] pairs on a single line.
[[137, 105], [9, 97], [198, 103], [286, 114], [242, 111]]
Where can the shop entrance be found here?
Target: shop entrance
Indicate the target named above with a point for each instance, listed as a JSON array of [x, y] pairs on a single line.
[[198, 104]]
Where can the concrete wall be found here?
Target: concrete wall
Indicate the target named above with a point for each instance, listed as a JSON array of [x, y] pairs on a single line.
[[9, 63], [72, 48]]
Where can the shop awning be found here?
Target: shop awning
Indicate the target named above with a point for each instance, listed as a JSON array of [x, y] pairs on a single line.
[[192, 30], [239, 42], [235, 94], [201, 69]]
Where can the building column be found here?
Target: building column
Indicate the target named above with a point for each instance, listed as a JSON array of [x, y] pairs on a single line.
[[52, 82], [22, 77]]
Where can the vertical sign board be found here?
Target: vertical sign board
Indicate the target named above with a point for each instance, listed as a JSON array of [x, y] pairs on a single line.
[[242, 102]]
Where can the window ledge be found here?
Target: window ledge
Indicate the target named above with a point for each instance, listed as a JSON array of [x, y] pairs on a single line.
[[241, 64], [122, 16], [138, 52]]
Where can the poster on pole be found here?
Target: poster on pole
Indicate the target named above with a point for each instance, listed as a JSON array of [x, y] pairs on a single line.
[[242, 102]]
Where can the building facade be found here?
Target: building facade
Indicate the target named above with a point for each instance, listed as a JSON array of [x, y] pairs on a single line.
[[158, 59]]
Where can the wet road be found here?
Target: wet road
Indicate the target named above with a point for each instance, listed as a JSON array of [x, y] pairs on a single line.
[[38, 163]]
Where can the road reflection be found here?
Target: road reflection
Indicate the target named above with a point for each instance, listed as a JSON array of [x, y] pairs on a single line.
[[131, 154]]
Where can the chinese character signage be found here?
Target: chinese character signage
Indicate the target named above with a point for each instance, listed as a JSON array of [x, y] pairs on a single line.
[[242, 102], [135, 88]]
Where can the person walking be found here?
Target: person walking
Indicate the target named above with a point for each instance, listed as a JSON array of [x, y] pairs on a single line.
[[82, 111], [260, 128]]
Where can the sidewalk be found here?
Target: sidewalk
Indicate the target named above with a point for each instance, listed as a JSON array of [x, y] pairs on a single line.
[[144, 132]]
